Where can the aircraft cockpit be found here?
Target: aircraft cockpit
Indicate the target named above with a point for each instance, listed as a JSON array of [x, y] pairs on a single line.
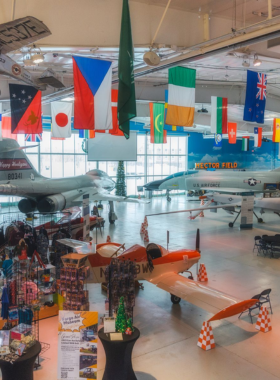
[[155, 251], [102, 179]]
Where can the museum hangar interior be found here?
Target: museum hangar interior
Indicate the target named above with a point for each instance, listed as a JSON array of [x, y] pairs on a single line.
[[139, 187]]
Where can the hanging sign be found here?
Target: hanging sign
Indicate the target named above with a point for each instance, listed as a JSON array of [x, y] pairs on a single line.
[[215, 165], [77, 345]]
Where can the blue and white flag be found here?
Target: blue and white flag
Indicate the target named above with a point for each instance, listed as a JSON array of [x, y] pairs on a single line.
[[255, 97], [218, 140]]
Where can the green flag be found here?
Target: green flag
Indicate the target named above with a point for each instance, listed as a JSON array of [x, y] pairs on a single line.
[[158, 134], [126, 97]]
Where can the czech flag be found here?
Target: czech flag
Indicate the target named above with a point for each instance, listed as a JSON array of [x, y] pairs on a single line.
[[92, 93], [26, 109]]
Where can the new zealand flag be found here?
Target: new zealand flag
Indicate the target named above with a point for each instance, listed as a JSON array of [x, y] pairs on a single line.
[[255, 97], [26, 109]]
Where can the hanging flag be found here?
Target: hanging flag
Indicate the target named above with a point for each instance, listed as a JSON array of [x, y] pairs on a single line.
[[257, 137], [255, 97], [245, 143], [1, 137], [232, 132], [181, 96], [127, 100], [158, 134], [92, 93], [218, 140], [219, 119], [6, 128], [61, 119], [33, 138], [174, 127], [276, 130], [86, 134], [26, 109], [115, 131]]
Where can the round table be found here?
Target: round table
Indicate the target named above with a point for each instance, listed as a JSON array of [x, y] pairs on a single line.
[[23, 367], [118, 355]]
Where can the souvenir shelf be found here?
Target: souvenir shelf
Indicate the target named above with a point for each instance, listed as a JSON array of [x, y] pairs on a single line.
[[73, 277]]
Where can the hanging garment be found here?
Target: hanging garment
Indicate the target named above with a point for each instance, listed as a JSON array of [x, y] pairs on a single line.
[[7, 267], [43, 246], [5, 303], [2, 237], [23, 255], [25, 316], [44, 232], [31, 245]]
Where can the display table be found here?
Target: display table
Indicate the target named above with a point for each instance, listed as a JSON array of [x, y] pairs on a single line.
[[118, 356], [23, 367]]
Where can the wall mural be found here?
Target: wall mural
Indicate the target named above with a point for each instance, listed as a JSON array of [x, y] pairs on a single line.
[[202, 150]]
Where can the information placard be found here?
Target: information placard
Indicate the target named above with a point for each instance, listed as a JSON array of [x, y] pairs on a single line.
[[77, 345]]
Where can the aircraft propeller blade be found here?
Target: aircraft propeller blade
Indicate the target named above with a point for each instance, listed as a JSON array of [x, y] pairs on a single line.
[[197, 240]]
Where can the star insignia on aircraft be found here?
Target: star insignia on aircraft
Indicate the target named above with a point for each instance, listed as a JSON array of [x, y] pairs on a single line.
[[252, 182]]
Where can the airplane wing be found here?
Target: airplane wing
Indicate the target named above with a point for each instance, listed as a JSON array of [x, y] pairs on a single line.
[[82, 247], [100, 196], [21, 32], [197, 209], [220, 304]]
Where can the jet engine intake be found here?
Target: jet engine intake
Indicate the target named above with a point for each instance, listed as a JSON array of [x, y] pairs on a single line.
[[27, 205], [52, 203]]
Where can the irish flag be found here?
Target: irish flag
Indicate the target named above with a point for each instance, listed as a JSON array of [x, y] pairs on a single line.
[[219, 115], [181, 96]]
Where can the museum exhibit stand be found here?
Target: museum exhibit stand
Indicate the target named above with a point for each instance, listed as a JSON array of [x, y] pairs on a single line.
[[118, 355]]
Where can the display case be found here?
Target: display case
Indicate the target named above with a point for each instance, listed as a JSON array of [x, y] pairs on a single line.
[[22, 333]]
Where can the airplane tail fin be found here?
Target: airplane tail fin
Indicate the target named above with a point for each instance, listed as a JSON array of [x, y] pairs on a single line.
[[14, 163]]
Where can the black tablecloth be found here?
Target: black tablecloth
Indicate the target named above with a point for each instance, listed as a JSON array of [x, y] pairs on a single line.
[[22, 368], [118, 356]]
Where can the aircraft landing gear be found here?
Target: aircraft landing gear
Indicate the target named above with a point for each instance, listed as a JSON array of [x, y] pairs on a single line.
[[175, 300], [168, 196], [260, 220], [231, 224], [112, 215]]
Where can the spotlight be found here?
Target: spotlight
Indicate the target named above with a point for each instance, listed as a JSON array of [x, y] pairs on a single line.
[[257, 61], [28, 62], [37, 58], [151, 58], [245, 64]]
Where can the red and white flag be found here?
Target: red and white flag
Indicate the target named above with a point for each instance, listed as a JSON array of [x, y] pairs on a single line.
[[61, 119], [232, 131], [257, 137]]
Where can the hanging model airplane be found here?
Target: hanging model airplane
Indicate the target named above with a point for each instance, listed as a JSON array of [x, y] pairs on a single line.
[[229, 181], [162, 268], [15, 35], [19, 178]]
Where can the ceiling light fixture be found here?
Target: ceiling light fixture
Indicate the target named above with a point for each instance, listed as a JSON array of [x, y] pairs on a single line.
[[28, 61], [37, 58], [257, 61], [151, 58]]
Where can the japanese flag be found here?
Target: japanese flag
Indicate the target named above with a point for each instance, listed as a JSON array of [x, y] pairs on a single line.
[[61, 119]]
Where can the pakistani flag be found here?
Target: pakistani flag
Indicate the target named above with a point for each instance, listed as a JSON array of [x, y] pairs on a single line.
[[158, 134], [126, 99], [245, 144], [219, 115]]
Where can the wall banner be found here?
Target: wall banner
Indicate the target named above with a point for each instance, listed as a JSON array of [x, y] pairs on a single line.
[[77, 345]]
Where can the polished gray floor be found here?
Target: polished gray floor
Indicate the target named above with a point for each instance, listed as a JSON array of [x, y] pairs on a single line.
[[167, 348]]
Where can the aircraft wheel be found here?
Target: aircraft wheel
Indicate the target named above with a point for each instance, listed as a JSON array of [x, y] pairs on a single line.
[[190, 277], [175, 300], [260, 220], [168, 199], [230, 225]]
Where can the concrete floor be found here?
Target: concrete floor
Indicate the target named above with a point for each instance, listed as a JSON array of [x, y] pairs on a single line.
[[167, 347]]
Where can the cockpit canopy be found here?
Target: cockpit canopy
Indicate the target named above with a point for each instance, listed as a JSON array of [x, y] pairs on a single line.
[[181, 174], [96, 173], [156, 251]]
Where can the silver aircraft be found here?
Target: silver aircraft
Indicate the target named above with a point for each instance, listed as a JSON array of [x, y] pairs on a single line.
[[226, 181], [19, 178]]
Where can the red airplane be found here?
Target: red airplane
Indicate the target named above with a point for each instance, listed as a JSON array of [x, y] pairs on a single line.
[[161, 267]]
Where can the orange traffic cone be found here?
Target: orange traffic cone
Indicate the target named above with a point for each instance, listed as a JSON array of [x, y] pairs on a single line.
[[206, 337], [263, 323], [202, 204], [146, 222], [146, 236], [142, 229], [202, 274], [139, 196], [108, 239]]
